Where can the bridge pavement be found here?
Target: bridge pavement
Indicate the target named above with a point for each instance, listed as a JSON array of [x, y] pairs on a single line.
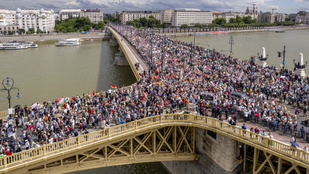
[[134, 56]]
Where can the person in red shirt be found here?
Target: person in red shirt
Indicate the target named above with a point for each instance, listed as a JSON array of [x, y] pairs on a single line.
[[7, 152]]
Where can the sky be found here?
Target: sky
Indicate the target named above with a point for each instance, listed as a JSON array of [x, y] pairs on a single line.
[[110, 6]]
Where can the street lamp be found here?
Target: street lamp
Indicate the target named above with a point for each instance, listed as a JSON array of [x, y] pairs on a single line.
[[283, 58], [8, 86], [252, 59], [232, 43]]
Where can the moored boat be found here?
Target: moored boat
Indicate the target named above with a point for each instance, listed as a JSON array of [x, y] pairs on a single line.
[[68, 42], [279, 31], [12, 46]]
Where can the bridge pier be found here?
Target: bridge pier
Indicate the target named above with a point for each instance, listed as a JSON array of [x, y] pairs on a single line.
[[113, 42], [120, 59], [217, 154]]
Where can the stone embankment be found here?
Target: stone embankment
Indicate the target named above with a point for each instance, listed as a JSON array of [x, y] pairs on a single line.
[[55, 36]]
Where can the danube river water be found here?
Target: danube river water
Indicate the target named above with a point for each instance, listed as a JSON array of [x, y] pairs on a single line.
[[49, 72], [247, 44]]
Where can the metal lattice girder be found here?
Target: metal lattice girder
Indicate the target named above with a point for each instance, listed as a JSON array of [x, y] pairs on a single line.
[[150, 139]]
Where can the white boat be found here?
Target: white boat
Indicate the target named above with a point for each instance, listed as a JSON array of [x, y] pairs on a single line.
[[29, 44], [12, 46], [68, 42]]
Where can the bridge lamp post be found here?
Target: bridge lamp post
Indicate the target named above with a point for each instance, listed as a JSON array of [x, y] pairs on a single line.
[[283, 57], [252, 59], [8, 86], [231, 42]]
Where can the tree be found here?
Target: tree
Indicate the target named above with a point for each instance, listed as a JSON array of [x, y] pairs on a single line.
[[164, 25], [232, 20], [31, 30], [39, 31], [238, 19], [219, 21], [99, 26], [247, 19], [198, 26], [184, 26], [21, 31], [143, 21]]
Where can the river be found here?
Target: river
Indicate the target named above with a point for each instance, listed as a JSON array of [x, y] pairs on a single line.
[[49, 72], [247, 44]]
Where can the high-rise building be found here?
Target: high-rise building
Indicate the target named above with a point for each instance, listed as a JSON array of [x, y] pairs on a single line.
[[191, 17]]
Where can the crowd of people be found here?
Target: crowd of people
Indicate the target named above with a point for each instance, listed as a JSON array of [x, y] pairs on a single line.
[[181, 74]]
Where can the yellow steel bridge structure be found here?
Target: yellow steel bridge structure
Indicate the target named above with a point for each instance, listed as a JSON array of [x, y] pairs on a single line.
[[156, 138]]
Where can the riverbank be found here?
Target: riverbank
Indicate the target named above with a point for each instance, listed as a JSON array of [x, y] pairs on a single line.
[[56, 36], [283, 28]]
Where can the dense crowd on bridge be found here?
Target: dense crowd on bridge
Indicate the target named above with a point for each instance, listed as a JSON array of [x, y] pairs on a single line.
[[181, 75]]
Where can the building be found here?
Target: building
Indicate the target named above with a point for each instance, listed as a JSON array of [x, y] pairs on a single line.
[[269, 17], [191, 17], [36, 19], [229, 15], [166, 16], [12, 21], [68, 13], [302, 17], [95, 15], [8, 21], [131, 15]]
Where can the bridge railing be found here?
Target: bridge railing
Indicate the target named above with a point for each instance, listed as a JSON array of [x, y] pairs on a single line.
[[195, 120], [3, 115], [135, 72]]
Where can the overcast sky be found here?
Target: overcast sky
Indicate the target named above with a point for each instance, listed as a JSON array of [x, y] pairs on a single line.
[[110, 6]]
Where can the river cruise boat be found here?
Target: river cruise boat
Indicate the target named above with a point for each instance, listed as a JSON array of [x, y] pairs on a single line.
[[29, 44], [68, 42], [12, 46]]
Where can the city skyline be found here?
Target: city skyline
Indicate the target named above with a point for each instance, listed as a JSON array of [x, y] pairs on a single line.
[[110, 6]]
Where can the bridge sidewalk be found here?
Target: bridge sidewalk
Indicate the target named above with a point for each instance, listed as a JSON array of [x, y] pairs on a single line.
[[134, 56]]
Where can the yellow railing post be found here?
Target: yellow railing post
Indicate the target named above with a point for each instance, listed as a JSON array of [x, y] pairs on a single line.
[[109, 132], [4, 161], [44, 150], [298, 154], [135, 124], [160, 118], [78, 139]]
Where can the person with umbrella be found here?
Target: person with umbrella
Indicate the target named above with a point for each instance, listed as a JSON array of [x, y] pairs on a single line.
[[293, 142]]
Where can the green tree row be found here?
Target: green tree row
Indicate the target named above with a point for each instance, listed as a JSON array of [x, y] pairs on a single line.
[[245, 21], [77, 24], [151, 22]]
